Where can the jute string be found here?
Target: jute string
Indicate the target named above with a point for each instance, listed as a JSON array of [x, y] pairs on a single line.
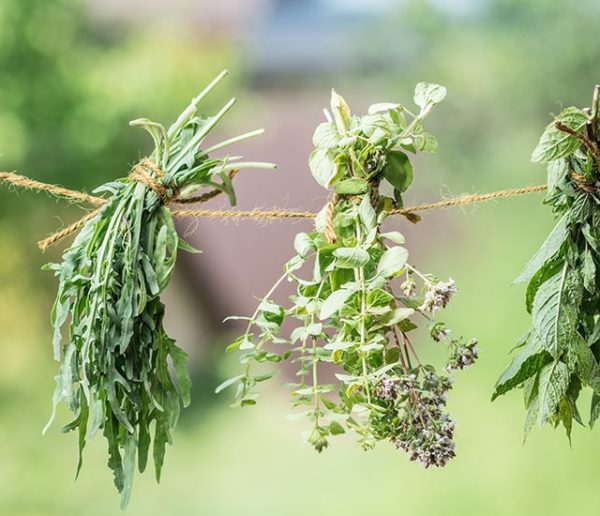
[[150, 175]]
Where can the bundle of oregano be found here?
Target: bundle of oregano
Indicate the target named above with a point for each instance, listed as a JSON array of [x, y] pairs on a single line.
[[115, 374], [357, 311], [559, 355]]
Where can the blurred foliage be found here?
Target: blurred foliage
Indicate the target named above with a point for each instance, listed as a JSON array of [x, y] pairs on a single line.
[[68, 88]]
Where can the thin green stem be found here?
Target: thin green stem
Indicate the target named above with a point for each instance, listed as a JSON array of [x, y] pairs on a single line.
[[359, 274]]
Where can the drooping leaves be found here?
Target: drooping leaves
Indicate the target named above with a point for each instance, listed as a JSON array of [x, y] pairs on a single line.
[[108, 318], [562, 353]]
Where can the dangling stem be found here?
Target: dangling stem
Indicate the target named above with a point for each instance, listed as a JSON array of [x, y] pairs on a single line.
[[359, 274]]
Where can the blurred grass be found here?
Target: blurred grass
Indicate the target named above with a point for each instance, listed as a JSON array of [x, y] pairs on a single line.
[[505, 71]]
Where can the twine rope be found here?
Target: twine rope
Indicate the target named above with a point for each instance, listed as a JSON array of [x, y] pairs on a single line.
[[145, 171]]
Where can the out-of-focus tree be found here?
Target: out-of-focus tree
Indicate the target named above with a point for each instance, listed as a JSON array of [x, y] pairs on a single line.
[[69, 85]]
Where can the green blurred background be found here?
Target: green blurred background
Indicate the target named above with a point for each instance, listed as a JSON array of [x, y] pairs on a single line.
[[72, 74]]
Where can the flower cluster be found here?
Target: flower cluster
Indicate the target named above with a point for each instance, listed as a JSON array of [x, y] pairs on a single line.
[[426, 432], [463, 355], [423, 429], [409, 287], [439, 332], [387, 389], [438, 295]]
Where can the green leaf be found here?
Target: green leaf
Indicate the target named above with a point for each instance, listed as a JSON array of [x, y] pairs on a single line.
[[186, 246], [396, 316], [367, 213], [303, 245], [351, 257], [326, 136], [528, 362], [594, 409], [322, 166], [334, 302], [352, 186], [394, 236], [553, 384], [427, 94], [180, 360], [379, 297], [549, 248], [398, 170], [228, 383], [549, 269], [392, 261], [335, 428], [554, 312], [554, 143], [424, 141], [588, 272], [586, 363], [130, 445]]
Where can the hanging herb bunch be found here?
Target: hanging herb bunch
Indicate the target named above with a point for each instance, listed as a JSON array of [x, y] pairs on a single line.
[[115, 353], [559, 355], [357, 311]]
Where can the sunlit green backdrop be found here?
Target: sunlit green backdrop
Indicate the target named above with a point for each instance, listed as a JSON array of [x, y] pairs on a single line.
[[68, 86]]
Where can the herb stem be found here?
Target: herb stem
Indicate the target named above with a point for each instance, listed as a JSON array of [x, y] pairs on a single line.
[[360, 279]]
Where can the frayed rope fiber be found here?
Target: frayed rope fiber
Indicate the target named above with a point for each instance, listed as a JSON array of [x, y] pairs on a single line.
[[146, 172]]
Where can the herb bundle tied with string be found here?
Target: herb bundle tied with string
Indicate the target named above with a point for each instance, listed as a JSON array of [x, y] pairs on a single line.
[[357, 311], [115, 374], [560, 354]]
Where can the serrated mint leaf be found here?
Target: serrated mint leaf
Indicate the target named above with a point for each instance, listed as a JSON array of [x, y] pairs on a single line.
[[554, 143], [553, 384], [528, 362], [548, 249], [554, 311]]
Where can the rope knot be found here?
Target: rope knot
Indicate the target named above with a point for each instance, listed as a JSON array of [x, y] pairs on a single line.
[[329, 228], [582, 182], [150, 175]]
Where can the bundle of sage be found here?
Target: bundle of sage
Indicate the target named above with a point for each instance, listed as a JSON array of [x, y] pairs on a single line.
[[114, 373], [559, 355], [356, 311]]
